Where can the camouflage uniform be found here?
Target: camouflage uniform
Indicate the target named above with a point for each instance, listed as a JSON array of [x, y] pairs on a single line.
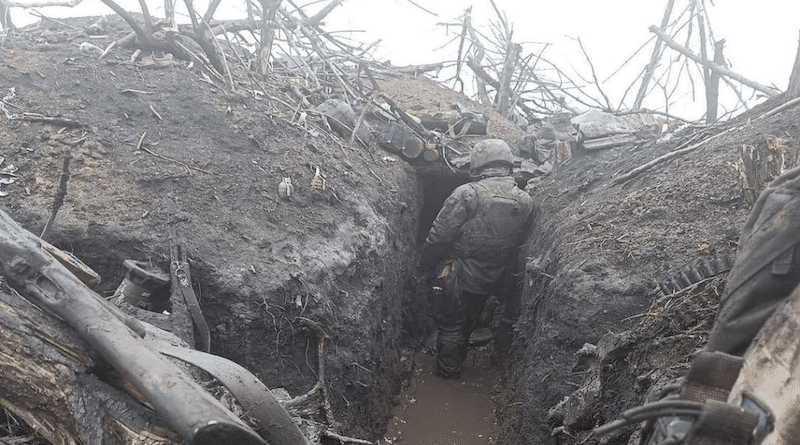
[[474, 241], [767, 267]]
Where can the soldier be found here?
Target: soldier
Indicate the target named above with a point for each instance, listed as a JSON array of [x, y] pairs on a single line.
[[767, 267], [473, 243], [766, 271]]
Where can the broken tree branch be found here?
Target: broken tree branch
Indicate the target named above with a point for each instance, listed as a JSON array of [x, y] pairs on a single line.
[[60, 121], [212, 7], [269, 9], [141, 147], [317, 18], [681, 151], [651, 67], [141, 35], [769, 91], [666, 157]]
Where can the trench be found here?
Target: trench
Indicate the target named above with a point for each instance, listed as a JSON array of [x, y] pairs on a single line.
[[432, 410], [427, 409]]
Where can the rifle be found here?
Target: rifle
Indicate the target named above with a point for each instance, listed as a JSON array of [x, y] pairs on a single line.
[[183, 404]]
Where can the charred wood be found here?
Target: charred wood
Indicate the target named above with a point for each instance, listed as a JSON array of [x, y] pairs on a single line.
[[49, 377], [459, 126]]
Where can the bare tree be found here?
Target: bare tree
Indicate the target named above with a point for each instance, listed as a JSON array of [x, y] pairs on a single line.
[[269, 9], [793, 90]]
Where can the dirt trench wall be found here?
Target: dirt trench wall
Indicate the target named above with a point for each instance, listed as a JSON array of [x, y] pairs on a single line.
[[154, 145], [598, 249]]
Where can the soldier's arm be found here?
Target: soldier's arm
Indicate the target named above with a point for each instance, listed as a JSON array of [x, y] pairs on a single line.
[[458, 208]]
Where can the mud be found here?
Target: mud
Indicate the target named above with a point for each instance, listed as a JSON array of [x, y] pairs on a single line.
[[435, 411]]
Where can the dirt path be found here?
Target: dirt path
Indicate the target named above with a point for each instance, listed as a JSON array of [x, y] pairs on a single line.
[[443, 412]]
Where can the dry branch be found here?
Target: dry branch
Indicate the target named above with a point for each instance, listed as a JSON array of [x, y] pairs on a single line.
[[667, 157], [594, 74], [144, 38], [54, 370], [681, 151], [317, 18], [769, 91], [650, 69], [41, 3]]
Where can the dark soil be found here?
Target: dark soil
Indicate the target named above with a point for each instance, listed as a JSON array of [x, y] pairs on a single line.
[[148, 142], [150, 145], [599, 251]]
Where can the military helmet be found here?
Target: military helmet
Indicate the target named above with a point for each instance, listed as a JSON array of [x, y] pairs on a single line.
[[490, 153]]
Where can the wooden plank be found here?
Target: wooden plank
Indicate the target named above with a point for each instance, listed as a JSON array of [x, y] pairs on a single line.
[[608, 142]]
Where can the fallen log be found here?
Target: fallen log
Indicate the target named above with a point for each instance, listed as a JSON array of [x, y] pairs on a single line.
[[50, 378], [181, 402]]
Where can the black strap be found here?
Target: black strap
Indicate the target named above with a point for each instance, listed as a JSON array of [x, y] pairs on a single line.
[[711, 376], [722, 424]]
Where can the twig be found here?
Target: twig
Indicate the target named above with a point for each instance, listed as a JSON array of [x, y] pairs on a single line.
[[139, 146], [153, 110], [594, 74], [141, 139], [41, 3], [650, 68], [661, 113], [345, 439], [202, 62], [135, 91], [44, 17], [60, 194], [320, 386], [108, 49], [224, 60], [35, 117]]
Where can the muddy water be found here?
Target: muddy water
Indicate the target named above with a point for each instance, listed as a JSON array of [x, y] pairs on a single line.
[[434, 411]]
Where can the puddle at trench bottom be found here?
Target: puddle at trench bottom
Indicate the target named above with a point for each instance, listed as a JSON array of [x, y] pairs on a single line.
[[435, 411]]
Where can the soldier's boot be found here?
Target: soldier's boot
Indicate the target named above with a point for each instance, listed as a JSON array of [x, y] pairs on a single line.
[[451, 350]]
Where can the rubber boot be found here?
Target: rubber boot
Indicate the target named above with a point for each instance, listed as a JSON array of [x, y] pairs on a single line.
[[451, 351]]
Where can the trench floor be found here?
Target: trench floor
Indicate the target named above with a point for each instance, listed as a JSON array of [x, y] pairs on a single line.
[[435, 411]]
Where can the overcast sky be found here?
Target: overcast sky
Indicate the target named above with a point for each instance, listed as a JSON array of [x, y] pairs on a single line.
[[761, 37]]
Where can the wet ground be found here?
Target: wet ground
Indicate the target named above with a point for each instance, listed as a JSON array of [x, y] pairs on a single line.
[[445, 412]]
